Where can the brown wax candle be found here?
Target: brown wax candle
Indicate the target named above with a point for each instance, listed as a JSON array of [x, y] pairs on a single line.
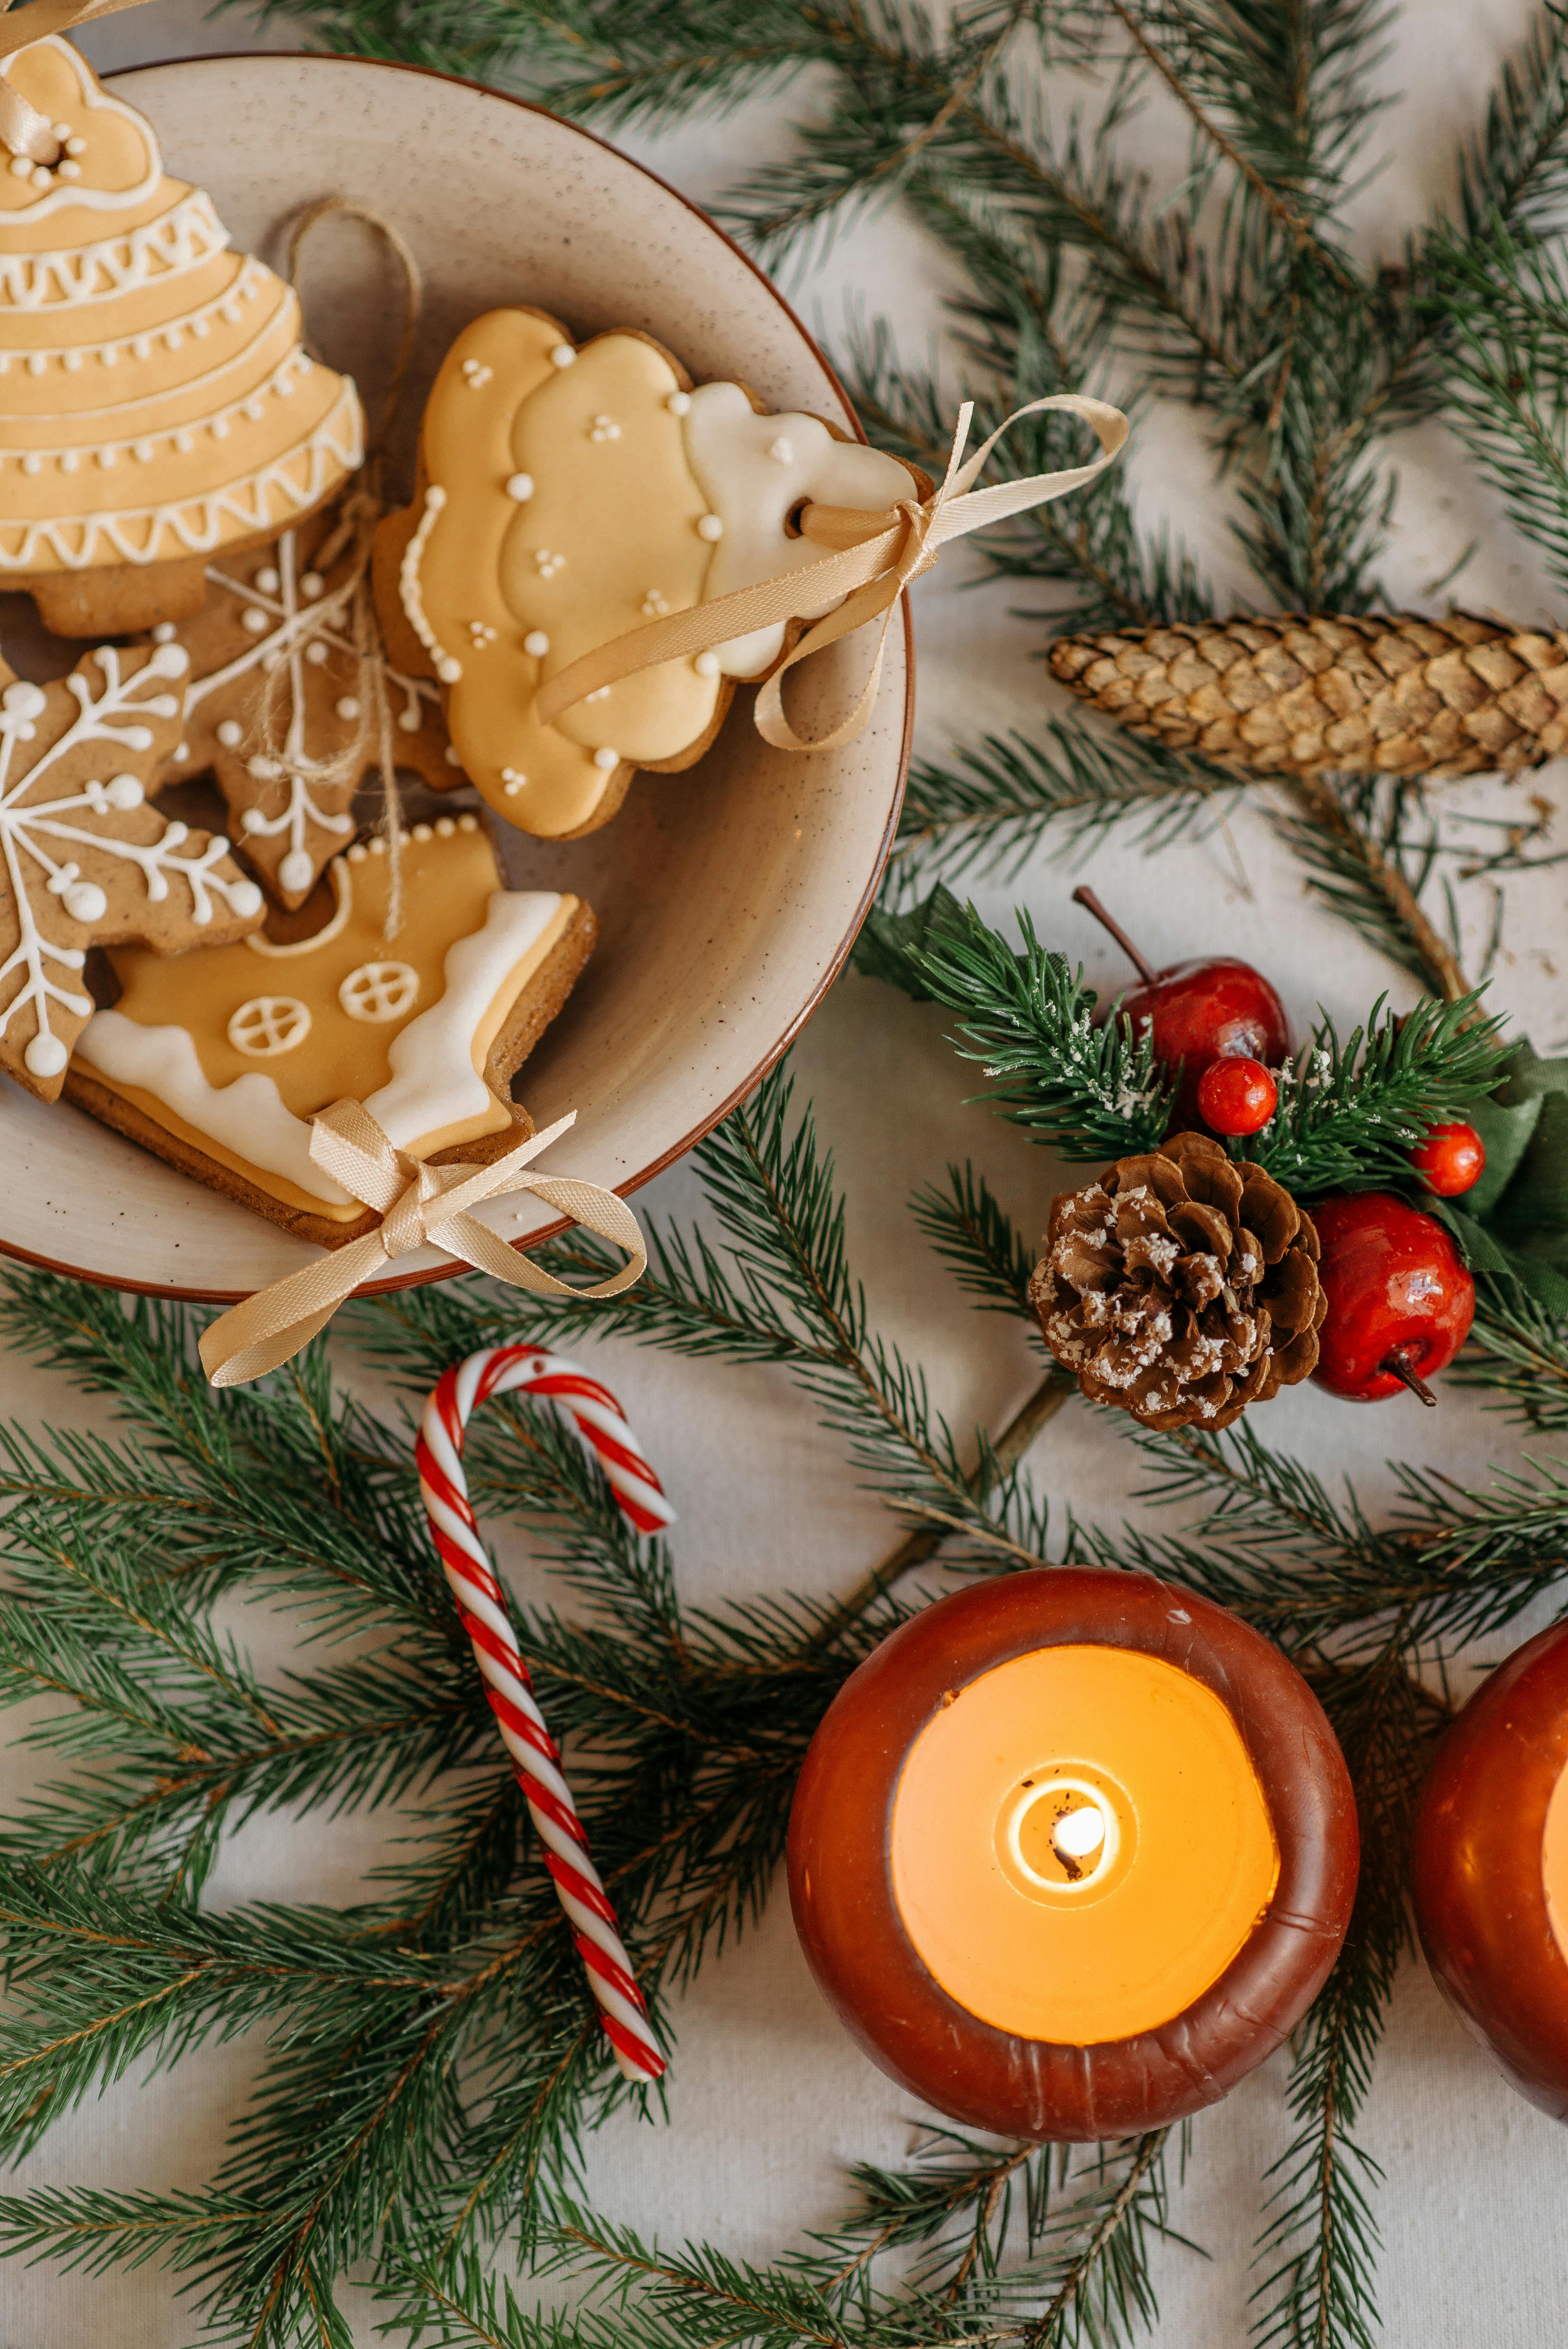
[[1071, 1853], [1489, 1868]]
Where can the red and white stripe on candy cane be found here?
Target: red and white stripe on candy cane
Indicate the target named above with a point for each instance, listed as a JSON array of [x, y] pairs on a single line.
[[596, 1417]]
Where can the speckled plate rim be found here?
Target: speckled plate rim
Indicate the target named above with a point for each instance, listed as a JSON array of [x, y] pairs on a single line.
[[383, 1288]]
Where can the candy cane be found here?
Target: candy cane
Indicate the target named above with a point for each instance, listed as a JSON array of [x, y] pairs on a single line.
[[595, 1417]]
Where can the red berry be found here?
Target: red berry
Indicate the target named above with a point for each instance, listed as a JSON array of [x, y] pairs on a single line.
[[1451, 1157], [1236, 1096], [1400, 1301]]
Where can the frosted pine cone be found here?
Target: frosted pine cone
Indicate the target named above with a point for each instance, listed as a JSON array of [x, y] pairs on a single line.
[[1293, 697], [1180, 1287]]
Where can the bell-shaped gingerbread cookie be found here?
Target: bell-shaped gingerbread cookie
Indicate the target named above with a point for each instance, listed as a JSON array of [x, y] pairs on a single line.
[[568, 495], [156, 402]]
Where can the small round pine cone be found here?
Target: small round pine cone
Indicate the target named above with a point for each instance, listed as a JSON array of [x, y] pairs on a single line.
[[1180, 1287]]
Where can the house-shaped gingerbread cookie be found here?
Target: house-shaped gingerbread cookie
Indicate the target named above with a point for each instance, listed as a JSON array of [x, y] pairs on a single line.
[[220, 1073]]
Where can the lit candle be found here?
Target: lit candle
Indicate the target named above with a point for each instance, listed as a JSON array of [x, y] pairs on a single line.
[[1489, 1868], [1072, 1852]]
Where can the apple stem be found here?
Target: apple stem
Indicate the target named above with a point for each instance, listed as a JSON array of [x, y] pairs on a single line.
[[1091, 905], [1401, 1369]]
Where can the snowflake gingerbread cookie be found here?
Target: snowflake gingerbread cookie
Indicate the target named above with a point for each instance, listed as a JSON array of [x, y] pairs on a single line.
[[157, 403], [282, 706], [88, 863], [220, 1073], [566, 496]]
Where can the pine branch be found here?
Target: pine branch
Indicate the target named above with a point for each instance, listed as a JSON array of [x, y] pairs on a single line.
[[1320, 2241], [1519, 1353], [1085, 1091], [994, 808], [1351, 1115]]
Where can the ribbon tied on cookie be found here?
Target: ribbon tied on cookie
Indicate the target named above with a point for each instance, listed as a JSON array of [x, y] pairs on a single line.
[[419, 1206], [874, 558]]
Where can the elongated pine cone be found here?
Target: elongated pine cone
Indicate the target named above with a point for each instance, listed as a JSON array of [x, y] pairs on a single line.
[[1295, 697], [1180, 1287]]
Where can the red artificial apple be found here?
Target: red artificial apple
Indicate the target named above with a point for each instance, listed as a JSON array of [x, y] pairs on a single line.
[[1400, 1303], [1213, 1007], [1451, 1157]]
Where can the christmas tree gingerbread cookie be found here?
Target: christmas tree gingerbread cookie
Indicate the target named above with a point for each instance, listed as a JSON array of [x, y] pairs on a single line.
[[281, 705], [220, 1073], [566, 496], [156, 402], [87, 862]]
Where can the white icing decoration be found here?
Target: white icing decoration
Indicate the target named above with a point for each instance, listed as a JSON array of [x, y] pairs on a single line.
[[27, 824], [606, 759], [520, 486], [679, 403], [338, 872], [246, 286], [654, 605], [277, 618], [536, 644], [705, 665], [177, 241], [448, 669], [268, 1025], [196, 523], [562, 355], [605, 428], [280, 382], [711, 527], [378, 991], [733, 454], [96, 101], [782, 452], [434, 1083]]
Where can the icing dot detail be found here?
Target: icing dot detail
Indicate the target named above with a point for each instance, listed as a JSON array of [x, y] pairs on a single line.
[[348, 709], [604, 428], [654, 607], [45, 1056], [536, 644], [562, 355], [512, 783], [679, 403], [312, 587], [267, 580], [710, 527], [254, 622], [476, 375], [519, 487], [316, 654], [782, 452], [296, 871], [445, 828], [605, 760], [421, 831], [468, 824], [124, 793], [163, 634], [268, 1025], [707, 664], [230, 733]]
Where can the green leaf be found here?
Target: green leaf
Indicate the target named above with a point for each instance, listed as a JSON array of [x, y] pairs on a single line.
[[890, 945]]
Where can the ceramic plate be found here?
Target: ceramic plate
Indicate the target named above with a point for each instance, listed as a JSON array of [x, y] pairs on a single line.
[[727, 895]]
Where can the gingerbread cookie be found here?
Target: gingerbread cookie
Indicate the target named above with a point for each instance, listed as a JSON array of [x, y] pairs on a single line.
[[566, 496], [220, 1073], [156, 401], [280, 710], [87, 860]]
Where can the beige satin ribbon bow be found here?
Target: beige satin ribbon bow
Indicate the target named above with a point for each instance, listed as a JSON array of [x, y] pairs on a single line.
[[880, 555], [23, 129], [419, 1206]]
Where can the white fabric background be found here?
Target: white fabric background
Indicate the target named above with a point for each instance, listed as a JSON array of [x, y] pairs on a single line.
[[767, 2098]]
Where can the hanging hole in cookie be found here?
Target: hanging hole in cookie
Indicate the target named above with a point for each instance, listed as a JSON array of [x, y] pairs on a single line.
[[793, 519]]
